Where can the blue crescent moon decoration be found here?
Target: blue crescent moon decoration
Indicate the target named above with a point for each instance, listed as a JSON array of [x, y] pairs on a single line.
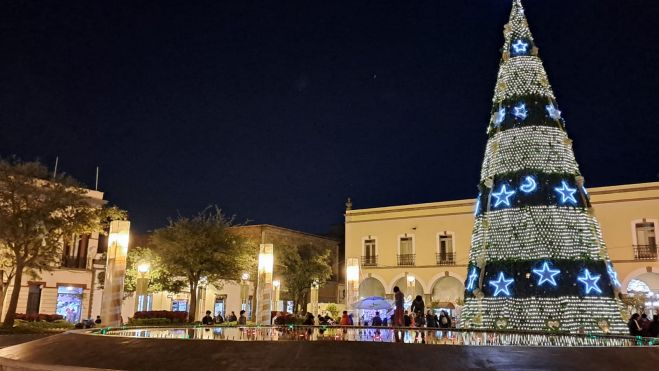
[[529, 184]]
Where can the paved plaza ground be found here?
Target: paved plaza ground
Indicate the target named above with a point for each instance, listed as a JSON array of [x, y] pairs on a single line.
[[76, 349]]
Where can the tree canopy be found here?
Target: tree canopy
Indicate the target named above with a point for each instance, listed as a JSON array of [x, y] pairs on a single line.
[[203, 248], [39, 214], [160, 279], [299, 266]]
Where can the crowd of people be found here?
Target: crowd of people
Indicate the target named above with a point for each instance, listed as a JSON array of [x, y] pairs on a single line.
[[641, 325], [210, 320]]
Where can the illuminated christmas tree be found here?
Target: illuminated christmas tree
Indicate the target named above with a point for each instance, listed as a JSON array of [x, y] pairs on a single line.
[[537, 260]]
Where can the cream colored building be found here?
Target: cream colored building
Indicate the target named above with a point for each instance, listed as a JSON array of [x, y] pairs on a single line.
[[70, 289], [429, 243]]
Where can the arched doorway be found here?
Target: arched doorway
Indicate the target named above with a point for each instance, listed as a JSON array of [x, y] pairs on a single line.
[[409, 296], [371, 287], [645, 286], [447, 289]]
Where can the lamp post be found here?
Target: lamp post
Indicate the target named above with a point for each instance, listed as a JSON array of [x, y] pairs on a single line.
[[115, 273], [314, 298], [275, 302], [141, 287], [352, 281], [411, 286], [264, 284], [244, 290]]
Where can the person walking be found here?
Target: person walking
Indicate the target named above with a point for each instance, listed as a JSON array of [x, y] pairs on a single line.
[[399, 301], [417, 308]]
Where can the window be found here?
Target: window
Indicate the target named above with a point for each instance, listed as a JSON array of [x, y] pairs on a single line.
[[445, 252], [220, 305], [370, 257], [69, 303], [180, 305], [406, 250], [645, 247], [406, 246]]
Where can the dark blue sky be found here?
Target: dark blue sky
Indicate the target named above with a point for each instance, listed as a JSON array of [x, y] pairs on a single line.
[[278, 111]]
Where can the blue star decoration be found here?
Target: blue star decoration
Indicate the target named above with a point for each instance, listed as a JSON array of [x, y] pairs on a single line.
[[566, 193], [546, 274], [520, 46], [613, 275], [472, 279], [590, 282], [520, 111], [499, 116], [529, 184], [503, 196], [553, 112], [501, 285]]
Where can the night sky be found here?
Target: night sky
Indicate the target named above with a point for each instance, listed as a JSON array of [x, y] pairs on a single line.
[[278, 111]]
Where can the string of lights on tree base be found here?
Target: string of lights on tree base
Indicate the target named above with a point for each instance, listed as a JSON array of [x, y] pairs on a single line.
[[567, 313]]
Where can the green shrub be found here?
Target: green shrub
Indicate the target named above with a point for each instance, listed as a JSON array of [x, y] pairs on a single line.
[[37, 326]]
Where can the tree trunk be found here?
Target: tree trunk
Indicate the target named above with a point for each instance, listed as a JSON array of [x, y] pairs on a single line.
[[13, 300], [193, 302]]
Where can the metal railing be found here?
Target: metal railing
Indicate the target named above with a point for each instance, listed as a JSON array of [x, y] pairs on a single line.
[[406, 259], [370, 260], [445, 258], [645, 252]]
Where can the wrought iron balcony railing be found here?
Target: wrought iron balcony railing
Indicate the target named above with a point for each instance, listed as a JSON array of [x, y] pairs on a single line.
[[645, 252], [446, 258], [406, 259], [370, 260]]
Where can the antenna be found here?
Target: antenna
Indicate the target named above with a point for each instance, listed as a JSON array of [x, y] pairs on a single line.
[[96, 187], [55, 171]]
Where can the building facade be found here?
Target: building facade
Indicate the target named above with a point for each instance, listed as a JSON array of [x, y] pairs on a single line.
[[71, 288], [424, 248]]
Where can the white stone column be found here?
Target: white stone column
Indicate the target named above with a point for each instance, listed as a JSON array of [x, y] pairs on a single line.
[[264, 294], [115, 273]]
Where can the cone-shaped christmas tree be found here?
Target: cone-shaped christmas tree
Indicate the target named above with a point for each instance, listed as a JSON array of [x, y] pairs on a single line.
[[537, 260]]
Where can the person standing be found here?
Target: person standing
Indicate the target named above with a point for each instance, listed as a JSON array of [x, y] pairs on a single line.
[[430, 320], [417, 308], [345, 321], [376, 320], [634, 328], [399, 301], [654, 326]]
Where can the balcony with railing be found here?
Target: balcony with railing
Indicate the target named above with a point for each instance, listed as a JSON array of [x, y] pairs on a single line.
[[645, 252], [406, 259], [445, 258], [370, 260]]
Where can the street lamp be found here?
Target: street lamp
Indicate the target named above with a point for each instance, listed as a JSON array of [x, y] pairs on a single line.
[[352, 281], [244, 290], [411, 286], [314, 298], [264, 284], [275, 302], [141, 287], [115, 272]]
